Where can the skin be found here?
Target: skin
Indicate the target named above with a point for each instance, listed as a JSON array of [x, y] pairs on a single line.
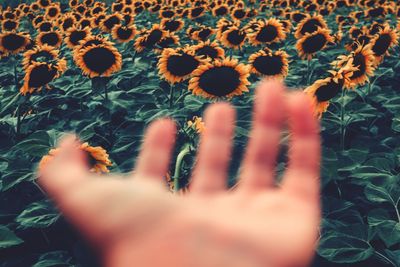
[[134, 221]]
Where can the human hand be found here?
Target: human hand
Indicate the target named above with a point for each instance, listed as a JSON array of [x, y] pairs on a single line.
[[135, 221]]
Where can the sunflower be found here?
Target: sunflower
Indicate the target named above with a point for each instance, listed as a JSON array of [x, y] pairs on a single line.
[[310, 24], [197, 124], [196, 12], [73, 3], [45, 26], [97, 20], [201, 34], [39, 74], [74, 36], [52, 11], [168, 41], [166, 13], [311, 43], [323, 90], [270, 31], [233, 37], [222, 78], [99, 60], [298, 16], [13, 42], [209, 49], [52, 38], [268, 63], [91, 40], [66, 22], [85, 22], [43, 53], [172, 25], [97, 158], [110, 21], [9, 25], [383, 41], [150, 38], [43, 3], [362, 59], [238, 13], [220, 10], [122, 33], [37, 20], [177, 65]]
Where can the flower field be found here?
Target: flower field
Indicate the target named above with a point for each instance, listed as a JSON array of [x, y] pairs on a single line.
[[106, 69]]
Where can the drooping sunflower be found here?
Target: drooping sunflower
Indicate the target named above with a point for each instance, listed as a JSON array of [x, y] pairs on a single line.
[[40, 74], [110, 21], [233, 37], [13, 42], [310, 24], [311, 43], [270, 31], [122, 33], [209, 49], [323, 90], [222, 78], [99, 60], [176, 65], [97, 158], [9, 25], [52, 38], [170, 40], [268, 63], [75, 35], [362, 59], [172, 25], [383, 42], [43, 53]]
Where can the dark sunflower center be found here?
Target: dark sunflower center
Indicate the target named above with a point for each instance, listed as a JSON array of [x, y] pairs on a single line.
[[310, 26], [328, 91], [207, 51], [124, 34], [359, 62], [97, 10], [203, 34], [77, 36], [220, 11], [53, 12], [84, 23], [153, 38], [235, 37], [376, 12], [267, 33], [239, 14], [172, 25], [382, 44], [314, 43], [9, 15], [44, 3], [268, 65], [197, 11], [38, 20], [220, 81], [50, 38], [99, 59], [9, 25], [13, 41], [168, 14], [41, 75], [118, 6], [297, 17], [356, 33], [67, 23], [111, 22], [181, 65], [45, 27]]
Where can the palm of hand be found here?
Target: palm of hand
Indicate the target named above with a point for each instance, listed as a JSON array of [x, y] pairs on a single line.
[[136, 222]]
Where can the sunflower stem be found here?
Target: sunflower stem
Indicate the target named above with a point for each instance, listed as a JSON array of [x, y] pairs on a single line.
[[308, 71], [178, 165], [171, 95], [342, 123]]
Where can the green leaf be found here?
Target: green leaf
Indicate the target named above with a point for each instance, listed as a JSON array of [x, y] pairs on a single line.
[[389, 191], [38, 215], [54, 258], [12, 179], [8, 238], [341, 248], [37, 144]]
